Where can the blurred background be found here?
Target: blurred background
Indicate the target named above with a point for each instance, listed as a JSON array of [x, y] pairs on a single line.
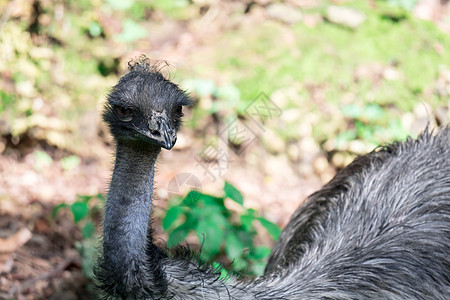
[[287, 93]]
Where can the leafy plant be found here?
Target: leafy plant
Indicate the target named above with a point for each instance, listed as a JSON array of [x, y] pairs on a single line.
[[5, 100], [370, 124], [220, 231], [85, 211], [95, 30]]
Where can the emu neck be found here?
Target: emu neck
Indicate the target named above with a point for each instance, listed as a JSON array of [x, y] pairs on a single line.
[[128, 208]]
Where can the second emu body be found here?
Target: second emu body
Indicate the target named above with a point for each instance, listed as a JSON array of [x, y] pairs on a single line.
[[379, 230]]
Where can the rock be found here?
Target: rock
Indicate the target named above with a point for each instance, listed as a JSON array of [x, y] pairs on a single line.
[[321, 164], [358, 147], [391, 74], [308, 145], [284, 12], [345, 16], [342, 159], [293, 152], [323, 169], [424, 9], [273, 142], [292, 115]]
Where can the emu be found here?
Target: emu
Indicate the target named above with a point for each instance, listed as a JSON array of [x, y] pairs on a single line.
[[379, 230]]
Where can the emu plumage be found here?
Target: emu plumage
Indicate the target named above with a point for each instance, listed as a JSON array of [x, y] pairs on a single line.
[[379, 230]]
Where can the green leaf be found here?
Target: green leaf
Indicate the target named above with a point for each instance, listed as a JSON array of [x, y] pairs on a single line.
[[5, 100], [101, 197], [171, 216], [212, 210], [210, 235], [95, 30], [196, 199], [251, 212], [352, 111], [246, 237], [271, 228], [224, 275], [233, 193], [233, 246], [192, 198], [397, 130], [70, 162], [230, 93], [84, 198], [131, 32], [79, 211], [343, 138], [364, 131], [406, 4], [373, 112], [120, 4], [213, 201], [205, 87], [260, 252], [220, 220], [202, 87], [57, 208], [246, 221], [240, 264], [178, 235], [42, 160], [88, 230], [192, 217], [258, 268]]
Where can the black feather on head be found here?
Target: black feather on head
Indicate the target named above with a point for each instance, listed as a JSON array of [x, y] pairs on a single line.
[[141, 100]]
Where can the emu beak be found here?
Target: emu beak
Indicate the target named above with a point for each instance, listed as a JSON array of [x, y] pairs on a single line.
[[160, 131]]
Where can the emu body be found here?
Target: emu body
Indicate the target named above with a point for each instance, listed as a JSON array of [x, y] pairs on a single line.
[[379, 230]]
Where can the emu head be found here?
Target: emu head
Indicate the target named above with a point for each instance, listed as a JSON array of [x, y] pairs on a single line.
[[145, 107]]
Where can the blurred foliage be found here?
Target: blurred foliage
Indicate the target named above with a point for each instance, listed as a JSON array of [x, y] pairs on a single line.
[[406, 4], [86, 212], [42, 160], [221, 232], [386, 64], [70, 162], [58, 60]]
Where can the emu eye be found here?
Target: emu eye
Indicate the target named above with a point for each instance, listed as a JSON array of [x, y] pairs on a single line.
[[124, 113], [179, 111]]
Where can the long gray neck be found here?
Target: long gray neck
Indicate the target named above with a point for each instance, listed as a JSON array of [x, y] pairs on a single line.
[[126, 220], [132, 266]]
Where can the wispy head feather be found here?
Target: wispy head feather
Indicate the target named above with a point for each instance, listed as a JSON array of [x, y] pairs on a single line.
[[144, 64]]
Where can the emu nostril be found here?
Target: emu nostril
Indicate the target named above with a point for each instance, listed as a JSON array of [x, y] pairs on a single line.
[[155, 133]]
